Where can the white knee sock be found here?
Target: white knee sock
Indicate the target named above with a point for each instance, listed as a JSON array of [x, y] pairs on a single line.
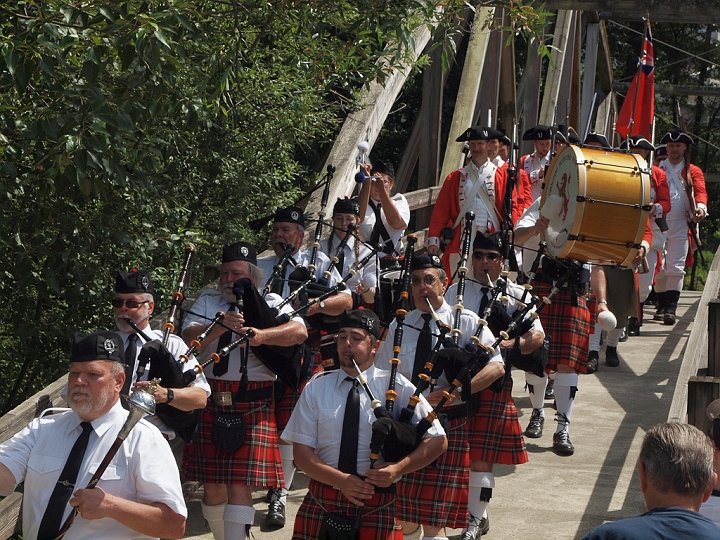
[[565, 388], [537, 395], [614, 336], [478, 508], [288, 468], [213, 514], [595, 338], [238, 519]]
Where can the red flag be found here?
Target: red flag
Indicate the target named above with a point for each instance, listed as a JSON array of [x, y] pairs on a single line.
[[638, 109]]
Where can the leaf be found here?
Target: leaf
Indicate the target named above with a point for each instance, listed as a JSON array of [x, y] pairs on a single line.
[[106, 12]]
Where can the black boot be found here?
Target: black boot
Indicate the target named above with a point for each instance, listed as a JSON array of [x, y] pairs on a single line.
[[661, 304], [671, 299], [633, 327]]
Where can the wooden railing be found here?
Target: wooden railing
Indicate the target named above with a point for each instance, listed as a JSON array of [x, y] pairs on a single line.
[[693, 390]]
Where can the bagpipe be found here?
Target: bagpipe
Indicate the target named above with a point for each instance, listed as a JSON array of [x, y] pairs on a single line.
[[166, 368], [289, 363]]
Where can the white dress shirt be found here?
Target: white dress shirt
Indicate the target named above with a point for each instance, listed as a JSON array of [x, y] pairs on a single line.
[[368, 224], [302, 258], [143, 470], [413, 323], [473, 297], [207, 305], [317, 420]]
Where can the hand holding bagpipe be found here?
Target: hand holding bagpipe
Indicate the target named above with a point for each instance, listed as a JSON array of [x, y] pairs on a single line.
[[277, 274]]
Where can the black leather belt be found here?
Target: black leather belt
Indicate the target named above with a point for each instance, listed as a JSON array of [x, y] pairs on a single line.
[[225, 399]]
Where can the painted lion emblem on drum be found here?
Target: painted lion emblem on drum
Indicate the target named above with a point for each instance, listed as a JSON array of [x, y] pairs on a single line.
[[562, 191]]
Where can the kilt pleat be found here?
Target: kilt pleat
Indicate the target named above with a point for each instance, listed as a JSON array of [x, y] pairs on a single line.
[[257, 462], [375, 524], [569, 328], [437, 495], [495, 434]]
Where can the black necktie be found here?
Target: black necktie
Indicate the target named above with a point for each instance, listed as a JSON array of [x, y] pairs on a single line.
[[52, 519], [279, 284], [424, 346], [130, 355], [341, 262], [220, 368], [347, 462], [375, 235], [484, 301]]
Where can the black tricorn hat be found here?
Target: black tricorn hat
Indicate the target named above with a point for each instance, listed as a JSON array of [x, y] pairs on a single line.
[[540, 132], [137, 281], [239, 251], [426, 260], [97, 346], [479, 133], [492, 241], [383, 167], [361, 318], [637, 142], [347, 206], [291, 214], [661, 151], [678, 136], [598, 138]]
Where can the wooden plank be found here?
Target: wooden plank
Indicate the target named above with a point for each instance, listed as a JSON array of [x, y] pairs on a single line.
[[507, 100], [530, 90], [489, 83], [695, 11], [422, 198], [604, 65], [561, 46], [10, 523], [575, 86], [364, 124], [467, 91], [23, 414], [696, 347]]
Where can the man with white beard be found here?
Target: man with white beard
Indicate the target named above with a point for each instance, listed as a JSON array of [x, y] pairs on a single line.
[[139, 495], [134, 302]]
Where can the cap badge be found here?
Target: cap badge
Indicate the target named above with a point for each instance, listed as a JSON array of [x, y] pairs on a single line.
[[295, 215], [109, 346], [145, 282], [244, 251]]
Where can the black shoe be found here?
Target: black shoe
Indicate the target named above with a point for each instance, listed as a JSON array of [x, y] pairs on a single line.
[[550, 389], [633, 327], [611, 357], [535, 427], [269, 495], [562, 444], [482, 528], [669, 319], [276, 514], [624, 335], [592, 363]]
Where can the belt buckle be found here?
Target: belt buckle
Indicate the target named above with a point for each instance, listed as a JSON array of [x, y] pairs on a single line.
[[222, 399]]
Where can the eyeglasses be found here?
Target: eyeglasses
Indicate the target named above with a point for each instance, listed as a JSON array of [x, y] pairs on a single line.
[[428, 280], [131, 304], [489, 256]]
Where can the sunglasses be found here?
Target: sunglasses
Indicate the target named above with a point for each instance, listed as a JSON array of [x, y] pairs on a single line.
[[489, 256], [131, 304], [428, 280]]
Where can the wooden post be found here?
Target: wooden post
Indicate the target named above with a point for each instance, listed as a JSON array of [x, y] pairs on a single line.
[[565, 89], [489, 83], [531, 94], [713, 369], [588, 89], [467, 92], [702, 391], [507, 99], [561, 46]]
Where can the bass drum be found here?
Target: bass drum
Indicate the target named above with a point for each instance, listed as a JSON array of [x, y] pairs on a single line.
[[598, 202], [390, 288]]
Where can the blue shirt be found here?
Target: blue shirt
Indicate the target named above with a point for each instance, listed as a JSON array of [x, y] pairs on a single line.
[[658, 524]]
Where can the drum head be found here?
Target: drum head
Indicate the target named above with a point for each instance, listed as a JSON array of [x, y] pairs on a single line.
[[560, 199]]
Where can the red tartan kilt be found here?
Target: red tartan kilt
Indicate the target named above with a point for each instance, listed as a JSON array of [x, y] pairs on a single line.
[[592, 308], [568, 326], [285, 405], [437, 495], [257, 462], [495, 432], [375, 525]]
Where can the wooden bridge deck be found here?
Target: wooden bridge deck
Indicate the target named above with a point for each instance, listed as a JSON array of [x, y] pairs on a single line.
[[565, 497]]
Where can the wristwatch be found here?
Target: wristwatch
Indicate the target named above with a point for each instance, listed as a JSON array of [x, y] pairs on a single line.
[[322, 304], [602, 301], [170, 395]]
